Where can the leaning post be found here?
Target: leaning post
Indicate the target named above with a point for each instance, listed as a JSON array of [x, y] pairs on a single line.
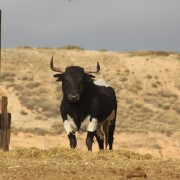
[[5, 119]]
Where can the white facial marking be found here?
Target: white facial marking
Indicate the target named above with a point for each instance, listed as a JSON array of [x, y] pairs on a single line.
[[101, 82], [92, 126], [69, 125]]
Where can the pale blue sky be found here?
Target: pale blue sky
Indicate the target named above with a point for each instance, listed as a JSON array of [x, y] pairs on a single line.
[[118, 25]]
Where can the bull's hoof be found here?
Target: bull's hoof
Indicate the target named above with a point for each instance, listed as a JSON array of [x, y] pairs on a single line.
[[73, 146], [89, 145]]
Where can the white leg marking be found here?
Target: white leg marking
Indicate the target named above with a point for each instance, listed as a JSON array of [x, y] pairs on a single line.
[[69, 125], [99, 132], [92, 126]]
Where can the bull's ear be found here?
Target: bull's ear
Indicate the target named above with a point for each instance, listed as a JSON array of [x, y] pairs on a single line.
[[90, 77], [59, 77]]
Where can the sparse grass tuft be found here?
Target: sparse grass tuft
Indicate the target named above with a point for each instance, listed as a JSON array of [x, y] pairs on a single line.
[[24, 47], [156, 146], [71, 47], [23, 112], [150, 53], [58, 128], [8, 76], [103, 50], [148, 76], [33, 85], [134, 87], [38, 131], [178, 85], [168, 94]]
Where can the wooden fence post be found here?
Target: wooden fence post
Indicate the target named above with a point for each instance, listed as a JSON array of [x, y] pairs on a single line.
[[5, 117], [5, 126]]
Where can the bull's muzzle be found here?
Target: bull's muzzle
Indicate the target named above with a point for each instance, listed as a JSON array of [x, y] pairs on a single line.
[[73, 98]]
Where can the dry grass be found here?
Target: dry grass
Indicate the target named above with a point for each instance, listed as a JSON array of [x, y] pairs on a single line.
[[151, 53], [61, 163]]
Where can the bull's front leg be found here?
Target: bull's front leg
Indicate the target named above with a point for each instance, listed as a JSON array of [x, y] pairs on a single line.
[[72, 139], [70, 129], [91, 132]]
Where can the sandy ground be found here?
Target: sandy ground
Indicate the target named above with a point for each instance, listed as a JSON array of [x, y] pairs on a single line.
[[168, 148]]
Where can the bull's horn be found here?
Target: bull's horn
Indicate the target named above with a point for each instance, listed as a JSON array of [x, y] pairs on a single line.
[[56, 69], [94, 70]]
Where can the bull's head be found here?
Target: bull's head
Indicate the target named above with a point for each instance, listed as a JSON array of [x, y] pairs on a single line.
[[74, 80]]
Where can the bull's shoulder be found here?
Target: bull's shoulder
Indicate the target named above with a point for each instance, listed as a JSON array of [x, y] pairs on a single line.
[[101, 82], [104, 89]]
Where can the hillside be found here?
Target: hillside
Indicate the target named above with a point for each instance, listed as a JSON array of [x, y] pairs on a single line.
[[147, 85]]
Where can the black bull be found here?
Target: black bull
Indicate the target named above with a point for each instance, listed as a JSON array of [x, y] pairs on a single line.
[[87, 106]]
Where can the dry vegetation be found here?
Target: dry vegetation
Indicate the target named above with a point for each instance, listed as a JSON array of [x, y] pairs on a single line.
[[61, 163], [147, 85]]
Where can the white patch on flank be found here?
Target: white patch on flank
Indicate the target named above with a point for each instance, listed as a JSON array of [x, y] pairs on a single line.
[[109, 119], [101, 82], [105, 124], [69, 125], [111, 116]]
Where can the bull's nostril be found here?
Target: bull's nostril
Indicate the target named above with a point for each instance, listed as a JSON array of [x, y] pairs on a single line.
[[74, 97]]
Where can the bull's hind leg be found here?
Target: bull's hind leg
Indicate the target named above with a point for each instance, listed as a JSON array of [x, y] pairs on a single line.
[[100, 137], [111, 130], [108, 128], [111, 134]]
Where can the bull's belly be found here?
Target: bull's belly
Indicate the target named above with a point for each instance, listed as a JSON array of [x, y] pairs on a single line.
[[88, 125]]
